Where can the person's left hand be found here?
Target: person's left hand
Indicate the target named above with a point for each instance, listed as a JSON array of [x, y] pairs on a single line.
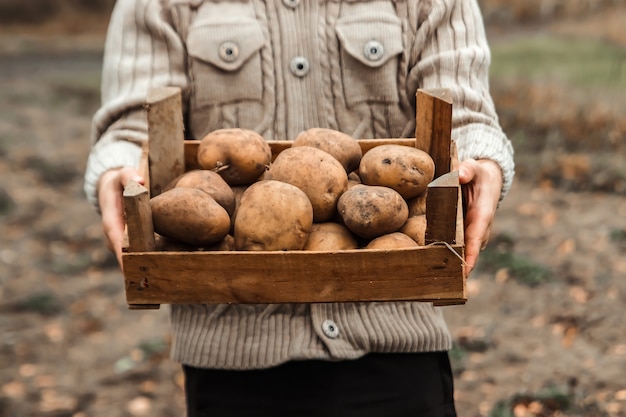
[[481, 181]]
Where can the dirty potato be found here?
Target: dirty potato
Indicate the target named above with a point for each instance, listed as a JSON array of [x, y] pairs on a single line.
[[240, 156], [395, 240], [341, 146], [272, 216], [330, 236], [316, 172], [406, 169], [211, 183], [372, 211], [190, 216]]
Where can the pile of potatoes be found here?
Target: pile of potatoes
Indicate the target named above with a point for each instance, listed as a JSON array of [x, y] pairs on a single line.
[[320, 194]]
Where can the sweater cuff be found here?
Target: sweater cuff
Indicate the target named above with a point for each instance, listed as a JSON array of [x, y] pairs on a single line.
[[476, 141], [113, 155]]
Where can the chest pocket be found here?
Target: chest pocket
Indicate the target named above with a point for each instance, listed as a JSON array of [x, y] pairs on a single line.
[[370, 50], [225, 61]]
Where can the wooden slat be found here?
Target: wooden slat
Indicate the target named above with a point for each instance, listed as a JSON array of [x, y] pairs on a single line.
[[165, 137], [138, 218], [420, 274], [139, 226], [442, 200], [433, 127], [277, 146]]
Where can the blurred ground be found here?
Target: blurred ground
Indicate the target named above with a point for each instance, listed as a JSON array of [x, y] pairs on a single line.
[[543, 333]]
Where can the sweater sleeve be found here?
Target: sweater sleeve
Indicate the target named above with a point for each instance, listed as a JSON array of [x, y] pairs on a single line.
[[451, 52], [142, 51]]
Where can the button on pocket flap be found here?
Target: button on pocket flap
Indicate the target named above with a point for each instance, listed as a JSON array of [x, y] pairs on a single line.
[[371, 39], [226, 45]]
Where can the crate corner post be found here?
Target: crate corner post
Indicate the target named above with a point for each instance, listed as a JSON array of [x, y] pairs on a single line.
[[166, 140]]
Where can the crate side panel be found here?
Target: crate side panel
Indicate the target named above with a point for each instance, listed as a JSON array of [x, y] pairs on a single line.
[[423, 274]]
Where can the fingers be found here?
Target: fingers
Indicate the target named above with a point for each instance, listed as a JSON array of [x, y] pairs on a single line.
[[127, 173], [467, 171], [110, 197], [476, 238]]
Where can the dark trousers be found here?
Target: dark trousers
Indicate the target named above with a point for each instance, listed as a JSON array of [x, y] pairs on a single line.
[[377, 385]]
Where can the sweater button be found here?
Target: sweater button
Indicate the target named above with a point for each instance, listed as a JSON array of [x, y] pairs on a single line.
[[299, 66], [291, 3], [330, 329], [229, 51], [373, 50]]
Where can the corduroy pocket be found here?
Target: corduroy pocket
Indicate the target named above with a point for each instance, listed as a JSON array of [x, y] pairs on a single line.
[[371, 45], [225, 63]]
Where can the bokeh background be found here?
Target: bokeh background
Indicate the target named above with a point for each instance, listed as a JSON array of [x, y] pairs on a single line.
[[543, 333]]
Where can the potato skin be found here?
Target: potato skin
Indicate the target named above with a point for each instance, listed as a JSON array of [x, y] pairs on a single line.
[[322, 178], [341, 146], [211, 183], [240, 156], [226, 244], [272, 216], [415, 228], [395, 240], [330, 236], [417, 205], [405, 169], [190, 216], [372, 211]]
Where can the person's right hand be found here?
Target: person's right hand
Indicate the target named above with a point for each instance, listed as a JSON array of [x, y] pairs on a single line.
[[111, 200]]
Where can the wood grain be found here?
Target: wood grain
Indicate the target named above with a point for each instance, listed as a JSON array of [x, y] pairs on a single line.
[[420, 274], [165, 137]]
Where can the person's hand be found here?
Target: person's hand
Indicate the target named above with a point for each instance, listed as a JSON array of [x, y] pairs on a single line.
[[111, 200], [481, 181]]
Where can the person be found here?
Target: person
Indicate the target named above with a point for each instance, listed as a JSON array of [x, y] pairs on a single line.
[[280, 67]]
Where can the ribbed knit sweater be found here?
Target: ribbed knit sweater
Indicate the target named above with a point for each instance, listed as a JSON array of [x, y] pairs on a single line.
[[280, 67]]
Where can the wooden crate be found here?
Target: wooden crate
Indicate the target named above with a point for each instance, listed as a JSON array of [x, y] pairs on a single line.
[[431, 273]]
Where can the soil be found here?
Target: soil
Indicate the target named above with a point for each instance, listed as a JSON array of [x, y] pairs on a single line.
[[542, 334]]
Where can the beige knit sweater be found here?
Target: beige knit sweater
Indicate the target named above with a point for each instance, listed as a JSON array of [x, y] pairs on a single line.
[[280, 67]]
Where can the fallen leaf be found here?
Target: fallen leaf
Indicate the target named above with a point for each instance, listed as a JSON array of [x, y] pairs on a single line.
[[45, 381], [473, 287], [54, 402], [566, 247], [14, 389], [569, 336], [139, 406], [579, 294], [502, 275], [619, 350], [55, 332], [520, 410], [549, 219], [528, 209], [614, 408], [28, 370]]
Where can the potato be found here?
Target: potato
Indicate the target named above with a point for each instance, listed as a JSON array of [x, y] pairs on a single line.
[[273, 216], [330, 236], [417, 205], [240, 156], [211, 183], [190, 216], [406, 169], [167, 244], [341, 146], [395, 240], [372, 211], [353, 179], [415, 228], [238, 192], [322, 178], [226, 244]]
